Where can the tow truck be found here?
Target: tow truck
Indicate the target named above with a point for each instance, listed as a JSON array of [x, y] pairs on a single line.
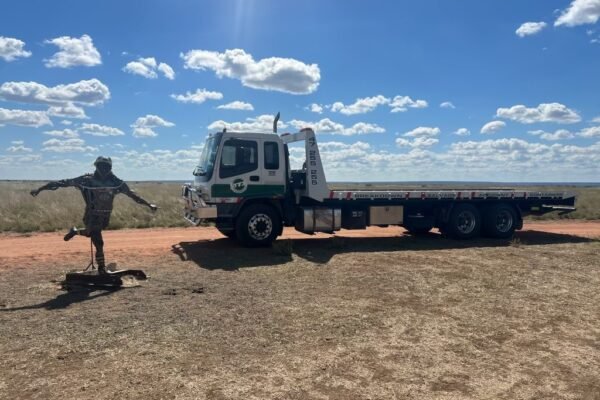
[[244, 184]]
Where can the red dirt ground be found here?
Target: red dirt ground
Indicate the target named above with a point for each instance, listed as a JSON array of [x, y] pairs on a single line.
[[45, 246]]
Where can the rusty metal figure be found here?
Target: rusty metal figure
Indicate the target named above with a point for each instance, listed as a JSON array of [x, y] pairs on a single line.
[[98, 190]]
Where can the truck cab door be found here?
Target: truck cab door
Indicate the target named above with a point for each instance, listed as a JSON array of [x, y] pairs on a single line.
[[273, 165], [241, 171]]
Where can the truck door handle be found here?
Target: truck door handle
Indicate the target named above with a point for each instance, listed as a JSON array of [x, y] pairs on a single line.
[[254, 178]]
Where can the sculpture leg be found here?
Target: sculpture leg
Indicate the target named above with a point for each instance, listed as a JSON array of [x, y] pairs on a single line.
[[96, 236]]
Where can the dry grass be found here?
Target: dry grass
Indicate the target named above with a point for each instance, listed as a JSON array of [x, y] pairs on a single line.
[[60, 209], [51, 211], [384, 318]]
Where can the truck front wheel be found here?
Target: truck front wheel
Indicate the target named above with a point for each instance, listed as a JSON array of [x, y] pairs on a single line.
[[499, 221], [257, 225], [464, 222]]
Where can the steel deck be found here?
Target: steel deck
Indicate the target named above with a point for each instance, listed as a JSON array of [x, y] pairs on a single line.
[[446, 195]]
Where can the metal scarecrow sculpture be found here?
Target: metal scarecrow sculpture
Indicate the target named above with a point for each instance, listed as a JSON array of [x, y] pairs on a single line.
[[99, 190]]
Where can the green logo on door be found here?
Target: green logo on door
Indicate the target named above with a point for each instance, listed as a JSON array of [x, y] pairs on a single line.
[[238, 186]]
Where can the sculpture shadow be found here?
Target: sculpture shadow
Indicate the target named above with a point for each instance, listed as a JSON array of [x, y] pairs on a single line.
[[225, 254], [67, 298]]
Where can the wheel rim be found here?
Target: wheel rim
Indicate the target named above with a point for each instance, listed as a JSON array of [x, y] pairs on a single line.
[[504, 221], [466, 222], [260, 226]]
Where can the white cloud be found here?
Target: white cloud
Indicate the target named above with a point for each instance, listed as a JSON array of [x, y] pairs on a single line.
[[73, 52], [262, 123], [423, 131], [90, 92], [144, 126], [492, 127], [69, 110], [280, 74], [11, 49], [560, 134], [145, 67], [148, 68], [402, 103], [166, 70], [590, 132], [333, 154], [417, 142], [580, 12], [74, 145], [360, 106], [29, 118], [63, 133], [157, 164], [596, 120], [512, 159], [237, 105], [197, 97], [362, 128], [462, 132], [100, 130], [316, 108], [17, 161], [327, 126], [530, 28], [551, 112], [17, 142], [66, 122], [19, 148], [447, 104]]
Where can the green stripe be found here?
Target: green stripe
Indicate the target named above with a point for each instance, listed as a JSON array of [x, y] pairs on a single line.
[[252, 190]]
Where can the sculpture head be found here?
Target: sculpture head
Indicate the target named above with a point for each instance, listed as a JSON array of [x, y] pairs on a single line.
[[103, 166]]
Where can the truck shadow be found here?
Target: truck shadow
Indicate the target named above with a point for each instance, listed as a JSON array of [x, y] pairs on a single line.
[[225, 254]]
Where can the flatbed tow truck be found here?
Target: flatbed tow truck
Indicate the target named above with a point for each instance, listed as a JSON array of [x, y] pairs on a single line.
[[244, 184]]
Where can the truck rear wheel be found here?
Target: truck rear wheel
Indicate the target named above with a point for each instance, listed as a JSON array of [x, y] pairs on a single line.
[[464, 222], [257, 225], [499, 221]]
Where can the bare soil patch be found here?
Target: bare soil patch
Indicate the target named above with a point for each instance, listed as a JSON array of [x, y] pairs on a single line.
[[373, 315]]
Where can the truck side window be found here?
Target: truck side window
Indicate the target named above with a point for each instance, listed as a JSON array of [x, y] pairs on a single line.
[[238, 157], [271, 155]]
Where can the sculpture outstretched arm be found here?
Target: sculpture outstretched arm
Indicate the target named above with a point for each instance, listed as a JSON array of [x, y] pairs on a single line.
[[131, 194], [57, 184]]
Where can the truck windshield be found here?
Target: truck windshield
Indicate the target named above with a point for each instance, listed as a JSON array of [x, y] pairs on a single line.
[[207, 158]]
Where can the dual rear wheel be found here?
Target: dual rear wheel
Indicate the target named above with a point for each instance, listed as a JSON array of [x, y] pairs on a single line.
[[467, 222]]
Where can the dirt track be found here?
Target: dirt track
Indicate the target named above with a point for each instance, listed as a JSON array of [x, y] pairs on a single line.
[[44, 246]]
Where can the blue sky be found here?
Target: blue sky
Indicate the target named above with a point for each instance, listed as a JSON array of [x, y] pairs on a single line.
[[396, 90]]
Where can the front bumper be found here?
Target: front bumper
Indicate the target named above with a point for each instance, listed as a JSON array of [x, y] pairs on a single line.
[[195, 209]]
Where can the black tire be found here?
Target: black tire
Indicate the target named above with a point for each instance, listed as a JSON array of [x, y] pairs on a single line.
[[257, 225], [499, 221], [464, 222], [230, 234]]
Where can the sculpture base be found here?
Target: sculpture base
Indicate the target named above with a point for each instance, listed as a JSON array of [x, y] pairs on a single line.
[[111, 279]]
